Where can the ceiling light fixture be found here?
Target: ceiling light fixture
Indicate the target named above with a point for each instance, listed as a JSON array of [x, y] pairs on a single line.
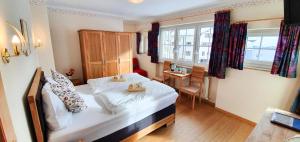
[[136, 1]]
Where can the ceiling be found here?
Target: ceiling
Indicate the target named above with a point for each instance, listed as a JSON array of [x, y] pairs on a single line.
[[147, 9]]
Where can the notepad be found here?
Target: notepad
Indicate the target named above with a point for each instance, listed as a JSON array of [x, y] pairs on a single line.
[[286, 121]]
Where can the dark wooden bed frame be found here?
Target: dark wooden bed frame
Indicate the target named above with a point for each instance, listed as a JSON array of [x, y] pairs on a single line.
[[133, 132]]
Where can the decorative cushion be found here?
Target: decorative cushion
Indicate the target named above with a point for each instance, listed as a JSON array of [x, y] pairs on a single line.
[[71, 99], [57, 116], [62, 80]]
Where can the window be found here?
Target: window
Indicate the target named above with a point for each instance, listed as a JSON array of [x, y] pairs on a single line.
[[191, 44], [167, 44], [261, 48], [186, 44], [204, 44]]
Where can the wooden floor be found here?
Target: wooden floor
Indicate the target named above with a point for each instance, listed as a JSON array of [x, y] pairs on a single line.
[[204, 124]]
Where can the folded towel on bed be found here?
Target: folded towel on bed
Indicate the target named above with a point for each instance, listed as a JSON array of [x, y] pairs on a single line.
[[119, 99], [105, 83]]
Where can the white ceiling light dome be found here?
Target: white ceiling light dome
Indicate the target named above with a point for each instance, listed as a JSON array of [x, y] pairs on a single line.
[[136, 1]]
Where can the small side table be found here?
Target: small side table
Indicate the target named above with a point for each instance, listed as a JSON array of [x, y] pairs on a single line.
[[76, 82]]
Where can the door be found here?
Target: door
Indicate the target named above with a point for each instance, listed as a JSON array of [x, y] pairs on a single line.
[[125, 52], [111, 54], [92, 54]]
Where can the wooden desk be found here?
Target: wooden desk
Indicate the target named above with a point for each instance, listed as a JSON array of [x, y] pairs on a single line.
[[179, 76], [265, 131]]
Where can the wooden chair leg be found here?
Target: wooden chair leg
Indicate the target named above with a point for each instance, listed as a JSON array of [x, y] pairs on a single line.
[[193, 104]]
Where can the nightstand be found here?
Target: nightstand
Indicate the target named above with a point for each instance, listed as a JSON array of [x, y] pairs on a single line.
[[76, 82]]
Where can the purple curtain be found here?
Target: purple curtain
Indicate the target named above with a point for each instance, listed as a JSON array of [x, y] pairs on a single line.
[[219, 49], [138, 42], [150, 43], [153, 42], [237, 43], [286, 56]]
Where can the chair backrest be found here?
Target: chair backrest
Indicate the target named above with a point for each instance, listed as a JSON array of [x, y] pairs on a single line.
[[167, 65], [135, 63], [197, 75]]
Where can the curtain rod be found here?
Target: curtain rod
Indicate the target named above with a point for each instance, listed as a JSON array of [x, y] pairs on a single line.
[[256, 20], [246, 21], [195, 15]]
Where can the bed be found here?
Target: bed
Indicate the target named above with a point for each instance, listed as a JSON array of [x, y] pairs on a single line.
[[96, 123]]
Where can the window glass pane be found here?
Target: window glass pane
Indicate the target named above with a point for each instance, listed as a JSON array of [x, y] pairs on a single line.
[[167, 44], [182, 32], [204, 53], [185, 42], [191, 32], [189, 40], [269, 42], [253, 42], [267, 55], [252, 54], [204, 43], [180, 40], [188, 55]]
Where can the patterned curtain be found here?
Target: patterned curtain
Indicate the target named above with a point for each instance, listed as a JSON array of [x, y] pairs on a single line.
[[286, 57], [138, 42], [150, 43], [237, 43], [219, 49], [153, 42]]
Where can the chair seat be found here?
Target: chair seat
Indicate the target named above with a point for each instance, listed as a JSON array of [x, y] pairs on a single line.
[[141, 72], [190, 89]]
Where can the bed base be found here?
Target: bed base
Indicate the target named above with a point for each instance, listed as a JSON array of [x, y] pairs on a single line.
[[164, 117]]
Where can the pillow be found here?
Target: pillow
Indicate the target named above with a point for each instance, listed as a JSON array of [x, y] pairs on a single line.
[[71, 99], [61, 79], [56, 114]]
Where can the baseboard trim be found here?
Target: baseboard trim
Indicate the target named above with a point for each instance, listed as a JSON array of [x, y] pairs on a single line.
[[208, 102], [236, 116]]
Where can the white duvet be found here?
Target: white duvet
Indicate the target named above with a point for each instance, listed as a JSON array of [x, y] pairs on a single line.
[[119, 99], [101, 84]]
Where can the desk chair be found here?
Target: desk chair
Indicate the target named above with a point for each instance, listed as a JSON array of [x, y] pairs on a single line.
[[196, 84]]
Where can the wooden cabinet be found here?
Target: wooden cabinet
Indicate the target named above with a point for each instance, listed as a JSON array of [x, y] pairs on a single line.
[[105, 53]]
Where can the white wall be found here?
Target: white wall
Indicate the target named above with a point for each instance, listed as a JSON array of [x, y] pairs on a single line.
[[40, 24], [249, 92], [64, 28], [18, 73]]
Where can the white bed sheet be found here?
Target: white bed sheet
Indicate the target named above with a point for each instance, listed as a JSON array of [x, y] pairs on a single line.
[[96, 122], [101, 84]]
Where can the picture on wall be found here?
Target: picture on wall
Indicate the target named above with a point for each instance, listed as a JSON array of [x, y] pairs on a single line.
[[26, 33]]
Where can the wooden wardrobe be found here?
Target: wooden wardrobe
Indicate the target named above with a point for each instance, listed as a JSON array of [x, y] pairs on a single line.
[[105, 53]]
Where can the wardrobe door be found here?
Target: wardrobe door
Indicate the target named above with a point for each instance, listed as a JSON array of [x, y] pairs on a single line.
[[91, 54], [111, 54], [125, 52]]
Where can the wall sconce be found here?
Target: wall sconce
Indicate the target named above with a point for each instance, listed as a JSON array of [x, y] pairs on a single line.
[[38, 43], [16, 44], [5, 55], [18, 41], [16, 49]]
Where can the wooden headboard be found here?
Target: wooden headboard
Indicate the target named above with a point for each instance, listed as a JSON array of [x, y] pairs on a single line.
[[35, 102]]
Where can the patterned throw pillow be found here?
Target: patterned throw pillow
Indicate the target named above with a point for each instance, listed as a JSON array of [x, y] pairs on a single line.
[[71, 99], [62, 80]]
